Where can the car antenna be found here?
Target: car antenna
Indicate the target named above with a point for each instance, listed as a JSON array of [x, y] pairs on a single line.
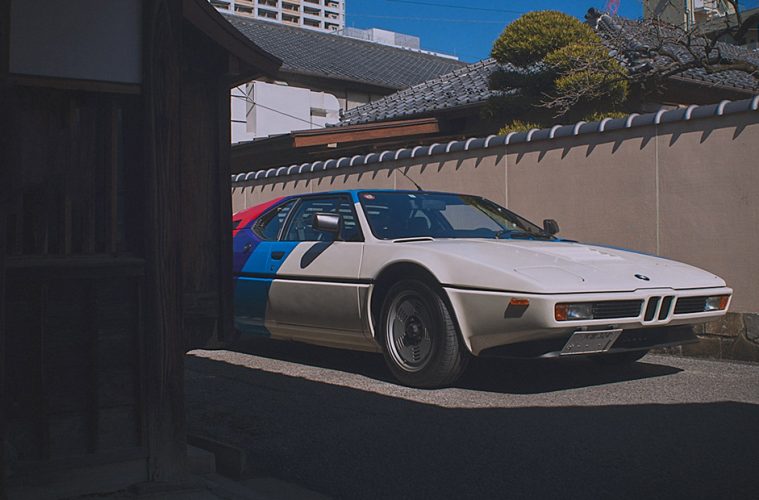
[[418, 187]]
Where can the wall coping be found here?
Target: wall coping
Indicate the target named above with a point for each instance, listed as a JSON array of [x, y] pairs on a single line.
[[634, 120]]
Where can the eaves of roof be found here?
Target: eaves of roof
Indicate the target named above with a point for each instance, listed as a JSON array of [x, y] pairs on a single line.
[[203, 16], [331, 56], [462, 88], [328, 141], [514, 138]]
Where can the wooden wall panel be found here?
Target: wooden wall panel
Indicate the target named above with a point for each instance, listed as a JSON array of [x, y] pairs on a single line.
[[71, 370]]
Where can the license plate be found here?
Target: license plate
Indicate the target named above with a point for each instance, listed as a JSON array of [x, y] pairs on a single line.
[[588, 342]]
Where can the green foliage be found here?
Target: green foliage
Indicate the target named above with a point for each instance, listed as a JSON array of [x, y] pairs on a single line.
[[514, 78], [575, 54], [600, 115], [536, 34], [518, 126], [559, 68], [590, 74]]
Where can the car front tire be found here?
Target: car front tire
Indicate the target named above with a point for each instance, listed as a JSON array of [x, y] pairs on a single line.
[[421, 344]]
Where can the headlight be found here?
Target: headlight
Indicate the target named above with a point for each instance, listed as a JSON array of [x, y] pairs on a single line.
[[716, 303], [572, 312]]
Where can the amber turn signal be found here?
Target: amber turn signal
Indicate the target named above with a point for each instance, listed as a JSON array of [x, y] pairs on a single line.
[[716, 303]]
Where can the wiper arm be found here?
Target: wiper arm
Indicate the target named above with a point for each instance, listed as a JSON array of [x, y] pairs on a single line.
[[516, 233]]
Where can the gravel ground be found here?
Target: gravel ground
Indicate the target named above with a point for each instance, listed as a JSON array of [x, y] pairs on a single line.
[[334, 422]]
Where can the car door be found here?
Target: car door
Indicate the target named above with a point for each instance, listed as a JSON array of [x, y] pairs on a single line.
[[257, 254], [316, 291]]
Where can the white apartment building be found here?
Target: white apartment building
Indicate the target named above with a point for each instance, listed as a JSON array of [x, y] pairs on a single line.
[[261, 109], [708, 16], [685, 13], [322, 15]]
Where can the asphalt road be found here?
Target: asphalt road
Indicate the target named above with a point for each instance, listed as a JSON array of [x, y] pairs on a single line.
[[335, 423]]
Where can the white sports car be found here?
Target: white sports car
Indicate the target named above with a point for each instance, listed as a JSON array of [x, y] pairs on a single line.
[[431, 278]]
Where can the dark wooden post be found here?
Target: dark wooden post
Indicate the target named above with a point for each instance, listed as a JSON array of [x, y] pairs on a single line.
[[4, 197], [3, 399], [164, 341], [226, 326]]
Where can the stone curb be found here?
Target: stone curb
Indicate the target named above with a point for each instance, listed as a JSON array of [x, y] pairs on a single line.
[[734, 337]]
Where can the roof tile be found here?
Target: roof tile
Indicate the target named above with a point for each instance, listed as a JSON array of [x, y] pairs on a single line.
[[310, 52], [470, 84]]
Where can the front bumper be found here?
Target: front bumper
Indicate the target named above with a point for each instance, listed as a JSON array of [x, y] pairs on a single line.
[[629, 340], [485, 323]]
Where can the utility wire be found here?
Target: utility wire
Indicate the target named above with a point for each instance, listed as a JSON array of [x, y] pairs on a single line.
[[452, 6], [254, 103], [431, 19]]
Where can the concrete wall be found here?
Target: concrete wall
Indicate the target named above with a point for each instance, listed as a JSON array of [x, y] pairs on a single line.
[[686, 190]]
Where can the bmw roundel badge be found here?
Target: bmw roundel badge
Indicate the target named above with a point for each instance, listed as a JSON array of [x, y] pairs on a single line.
[[642, 277]]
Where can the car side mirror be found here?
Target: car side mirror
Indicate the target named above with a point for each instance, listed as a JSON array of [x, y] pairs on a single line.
[[329, 223], [550, 226]]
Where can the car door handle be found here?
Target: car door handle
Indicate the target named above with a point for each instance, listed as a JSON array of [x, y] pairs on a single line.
[[247, 247], [277, 255]]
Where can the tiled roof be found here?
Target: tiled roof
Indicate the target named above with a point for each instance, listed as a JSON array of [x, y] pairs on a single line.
[[634, 39], [493, 141], [461, 87], [315, 53], [469, 85]]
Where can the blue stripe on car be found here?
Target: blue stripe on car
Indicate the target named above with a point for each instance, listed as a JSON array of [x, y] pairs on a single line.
[[252, 294]]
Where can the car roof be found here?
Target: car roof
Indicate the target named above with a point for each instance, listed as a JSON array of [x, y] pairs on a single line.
[[355, 192], [248, 214]]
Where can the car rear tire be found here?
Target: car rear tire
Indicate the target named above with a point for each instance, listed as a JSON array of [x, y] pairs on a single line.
[[421, 344], [618, 358]]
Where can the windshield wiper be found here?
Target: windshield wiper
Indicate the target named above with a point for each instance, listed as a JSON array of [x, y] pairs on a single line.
[[520, 234]]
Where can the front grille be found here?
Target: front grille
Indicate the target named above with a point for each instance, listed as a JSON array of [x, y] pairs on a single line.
[[653, 302], [666, 305], [690, 305], [617, 309]]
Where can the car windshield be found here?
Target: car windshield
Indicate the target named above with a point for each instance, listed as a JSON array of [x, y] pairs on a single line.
[[399, 214]]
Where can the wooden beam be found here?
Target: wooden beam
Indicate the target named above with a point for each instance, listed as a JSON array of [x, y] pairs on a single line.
[[4, 202], [113, 176], [5, 199], [204, 17], [74, 84], [3, 399], [164, 342], [365, 133], [281, 150], [332, 84], [226, 302], [5, 36]]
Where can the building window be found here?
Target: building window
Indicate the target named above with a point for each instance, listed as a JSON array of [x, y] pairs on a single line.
[[267, 14]]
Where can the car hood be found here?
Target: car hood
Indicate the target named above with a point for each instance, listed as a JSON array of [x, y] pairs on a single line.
[[561, 267]]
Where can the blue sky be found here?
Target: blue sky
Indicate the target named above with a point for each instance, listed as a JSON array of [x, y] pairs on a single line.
[[466, 28]]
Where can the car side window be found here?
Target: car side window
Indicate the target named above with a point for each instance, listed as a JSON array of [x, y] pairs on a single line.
[[268, 225], [301, 226]]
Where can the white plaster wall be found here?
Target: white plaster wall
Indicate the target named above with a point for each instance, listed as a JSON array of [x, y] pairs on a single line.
[[263, 109]]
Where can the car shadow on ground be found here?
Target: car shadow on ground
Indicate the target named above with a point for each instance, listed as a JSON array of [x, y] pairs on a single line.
[[508, 376], [353, 444]]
